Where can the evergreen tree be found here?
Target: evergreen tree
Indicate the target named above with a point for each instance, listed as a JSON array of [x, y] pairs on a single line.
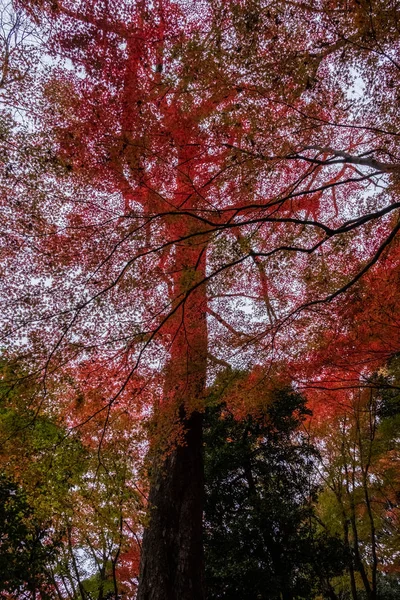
[[260, 531], [27, 546]]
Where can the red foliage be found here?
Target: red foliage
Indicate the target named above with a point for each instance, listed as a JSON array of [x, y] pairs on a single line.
[[214, 202], [209, 163]]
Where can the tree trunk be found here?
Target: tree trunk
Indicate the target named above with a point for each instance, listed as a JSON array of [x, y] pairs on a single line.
[[172, 552], [172, 564]]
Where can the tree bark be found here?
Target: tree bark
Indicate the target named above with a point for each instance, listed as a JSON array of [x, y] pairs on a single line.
[[172, 564], [172, 552]]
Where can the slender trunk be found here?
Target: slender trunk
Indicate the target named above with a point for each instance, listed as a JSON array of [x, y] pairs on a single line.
[[351, 568], [114, 560], [74, 564], [350, 486], [356, 545], [365, 460], [346, 537], [55, 584], [374, 566], [102, 575], [329, 591]]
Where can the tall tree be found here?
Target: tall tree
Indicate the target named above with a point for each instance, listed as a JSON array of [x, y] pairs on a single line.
[[360, 450], [213, 192]]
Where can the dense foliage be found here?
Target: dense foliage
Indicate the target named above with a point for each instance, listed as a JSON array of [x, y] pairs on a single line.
[[188, 187], [295, 508], [261, 538], [71, 522], [298, 509], [28, 546]]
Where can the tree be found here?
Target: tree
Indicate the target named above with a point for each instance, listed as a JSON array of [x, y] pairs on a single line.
[[359, 449], [261, 479], [27, 546], [206, 181], [88, 510]]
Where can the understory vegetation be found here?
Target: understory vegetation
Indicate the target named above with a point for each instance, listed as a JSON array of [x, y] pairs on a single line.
[[295, 508]]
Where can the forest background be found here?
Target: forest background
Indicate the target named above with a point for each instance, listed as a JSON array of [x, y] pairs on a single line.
[[199, 209]]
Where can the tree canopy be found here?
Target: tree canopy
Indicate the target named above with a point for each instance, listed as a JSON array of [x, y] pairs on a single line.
[[188, 187]]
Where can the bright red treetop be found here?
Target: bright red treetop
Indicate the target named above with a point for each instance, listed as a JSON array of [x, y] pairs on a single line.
[[213, 141]]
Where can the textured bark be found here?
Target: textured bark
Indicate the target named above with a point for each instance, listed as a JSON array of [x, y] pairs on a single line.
[[172, 565], [172, 555]]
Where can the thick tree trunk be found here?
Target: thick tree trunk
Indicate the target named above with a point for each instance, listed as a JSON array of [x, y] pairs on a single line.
[[172, 555], [172, 565]]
